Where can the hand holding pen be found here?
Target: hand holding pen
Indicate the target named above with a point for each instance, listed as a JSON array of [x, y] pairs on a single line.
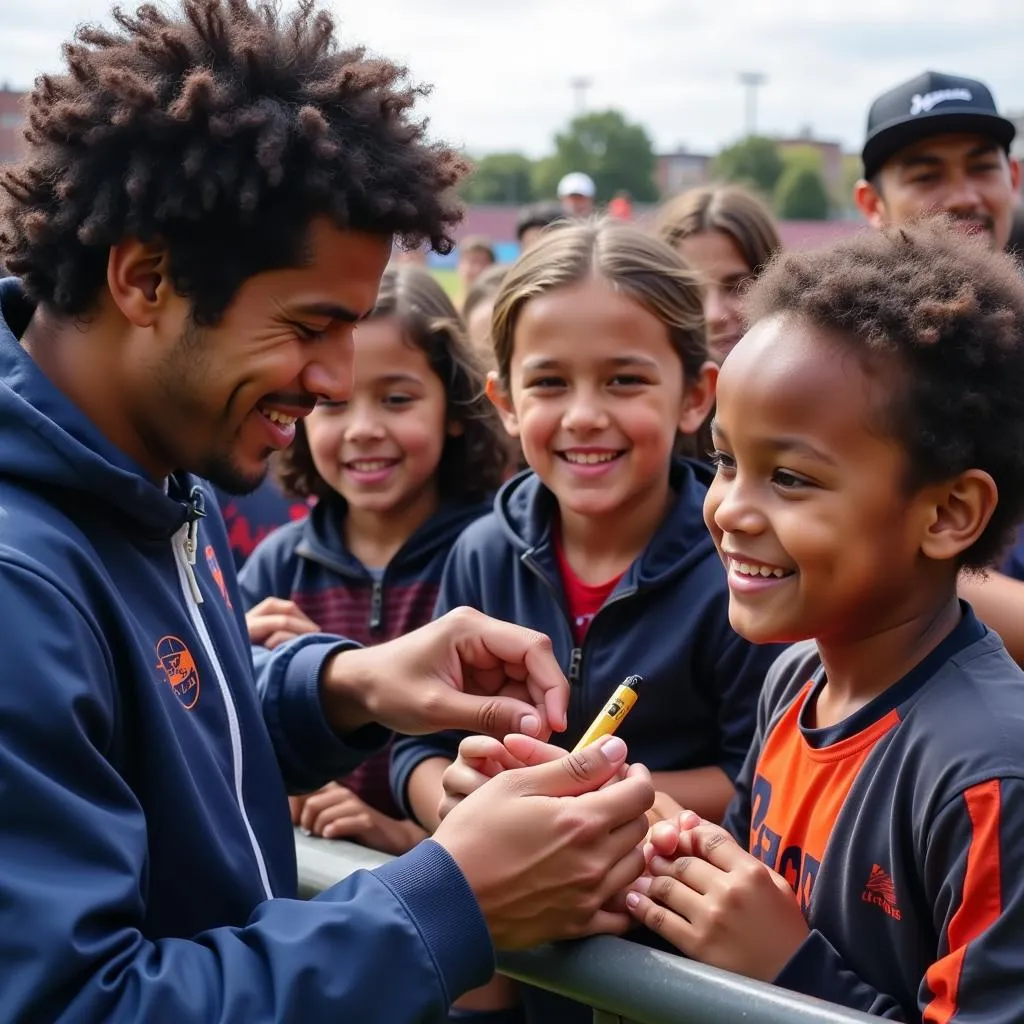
[[482, 757]]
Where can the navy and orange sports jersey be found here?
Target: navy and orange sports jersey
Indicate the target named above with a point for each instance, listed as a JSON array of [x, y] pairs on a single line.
[[901, 831]]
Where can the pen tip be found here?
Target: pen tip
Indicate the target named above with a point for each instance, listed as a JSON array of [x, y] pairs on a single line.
[[632, 681]]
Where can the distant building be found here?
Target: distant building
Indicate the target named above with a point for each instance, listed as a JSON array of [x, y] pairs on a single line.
[[682, 170], [12, 123], [831, 154]]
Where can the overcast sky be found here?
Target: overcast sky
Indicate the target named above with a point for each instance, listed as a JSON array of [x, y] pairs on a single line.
[[501, 70]]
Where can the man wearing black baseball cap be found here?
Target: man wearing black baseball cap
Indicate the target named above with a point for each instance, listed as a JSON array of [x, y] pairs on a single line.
[[938, 144]]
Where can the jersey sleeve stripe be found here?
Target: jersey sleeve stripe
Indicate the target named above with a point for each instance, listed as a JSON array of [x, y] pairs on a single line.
[[980, 905]]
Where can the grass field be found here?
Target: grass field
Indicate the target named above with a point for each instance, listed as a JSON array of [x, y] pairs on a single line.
[[449, 281]]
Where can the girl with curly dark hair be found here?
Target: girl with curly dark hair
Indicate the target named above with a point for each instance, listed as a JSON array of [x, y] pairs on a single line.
[[399, 469]]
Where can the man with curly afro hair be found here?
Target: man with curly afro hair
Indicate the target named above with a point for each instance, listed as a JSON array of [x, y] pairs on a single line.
[[870, 446], [208, 201]]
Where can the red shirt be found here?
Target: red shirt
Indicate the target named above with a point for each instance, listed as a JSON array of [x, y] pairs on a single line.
[[584, 600]]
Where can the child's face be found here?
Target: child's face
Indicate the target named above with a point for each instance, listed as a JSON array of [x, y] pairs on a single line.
[[808, 511], [724, 272], [380, 449], [596, 397]]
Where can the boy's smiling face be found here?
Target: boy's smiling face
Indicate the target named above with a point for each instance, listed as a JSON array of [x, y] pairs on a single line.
[[809, 510]]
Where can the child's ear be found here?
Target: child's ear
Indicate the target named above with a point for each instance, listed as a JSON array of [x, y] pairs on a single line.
[[961, 510], [502, 401], [698, 398]]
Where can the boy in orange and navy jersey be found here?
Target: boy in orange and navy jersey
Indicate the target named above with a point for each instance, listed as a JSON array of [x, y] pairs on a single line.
[[870, 446]]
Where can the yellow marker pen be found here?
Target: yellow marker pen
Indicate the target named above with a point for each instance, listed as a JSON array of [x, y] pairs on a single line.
[[612, 714]]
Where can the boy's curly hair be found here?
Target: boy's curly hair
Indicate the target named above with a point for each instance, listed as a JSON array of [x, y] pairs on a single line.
[[220, 131], [942, 319], [473, 462]]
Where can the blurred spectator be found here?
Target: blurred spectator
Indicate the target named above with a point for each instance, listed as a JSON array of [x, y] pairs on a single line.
[[728, 236], [576, 193], [476, 254], [938, 144], [250, 518], [477, 310], [533, 219], [621, 206]]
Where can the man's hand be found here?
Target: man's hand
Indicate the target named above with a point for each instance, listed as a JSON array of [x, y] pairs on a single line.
[[482, 757], [462, 671], [335, 812], [546, 847], [717, 903], [275, 620]]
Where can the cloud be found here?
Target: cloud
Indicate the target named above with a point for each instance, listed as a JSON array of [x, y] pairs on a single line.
[[501, 72]]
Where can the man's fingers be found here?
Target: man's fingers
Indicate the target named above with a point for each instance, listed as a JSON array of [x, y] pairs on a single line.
[[608, 922], [622, 875], [492, 715], [580, 773], [487, 642], [618, 805], [531, 751]]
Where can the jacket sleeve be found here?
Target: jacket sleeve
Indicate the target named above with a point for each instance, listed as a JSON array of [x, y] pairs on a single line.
[[74, 875], [973, 874], [309, 752], [459, 588]]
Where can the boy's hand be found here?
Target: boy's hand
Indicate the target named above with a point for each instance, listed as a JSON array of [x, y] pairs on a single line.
[[335, 812], [664, 809], [718, 904], [275, 620], [546, 847]]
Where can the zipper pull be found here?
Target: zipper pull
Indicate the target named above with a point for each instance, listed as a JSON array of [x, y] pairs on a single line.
[[377, 604], [195, 510], [575, 664]]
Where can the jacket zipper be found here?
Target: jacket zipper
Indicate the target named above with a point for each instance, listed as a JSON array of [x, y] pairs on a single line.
[[376, 605], [575, 673], [184, 544]]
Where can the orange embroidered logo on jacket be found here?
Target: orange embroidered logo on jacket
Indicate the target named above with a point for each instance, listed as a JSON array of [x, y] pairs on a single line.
[[217, 573], [881, 891], [178, 666]]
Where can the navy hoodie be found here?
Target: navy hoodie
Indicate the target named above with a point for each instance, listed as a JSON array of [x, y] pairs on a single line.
[[667, 620], [147, 868], [308, 563]]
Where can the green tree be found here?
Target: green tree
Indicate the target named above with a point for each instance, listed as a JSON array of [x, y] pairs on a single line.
[[801, 194], [754, 162], [616, 153], [853, 171], [499, 178]]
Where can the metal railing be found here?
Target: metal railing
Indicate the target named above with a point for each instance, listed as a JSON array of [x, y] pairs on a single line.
[[623, 982]]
